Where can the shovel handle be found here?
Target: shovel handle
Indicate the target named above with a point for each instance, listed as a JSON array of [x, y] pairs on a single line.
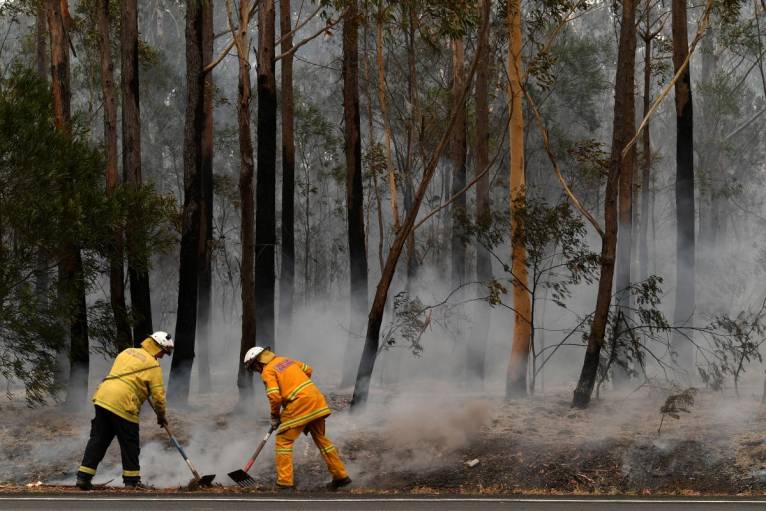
[[176, 444], [258, 449]]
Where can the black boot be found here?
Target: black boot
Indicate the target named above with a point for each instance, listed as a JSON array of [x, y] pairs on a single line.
[[134, 484], [84, 483], [338, 483]]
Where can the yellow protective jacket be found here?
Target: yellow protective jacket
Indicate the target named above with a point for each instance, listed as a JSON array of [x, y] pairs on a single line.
[[134, 373], [289, 386]]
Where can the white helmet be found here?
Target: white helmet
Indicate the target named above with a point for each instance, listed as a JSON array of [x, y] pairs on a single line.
[[164, 340], [252, 354]]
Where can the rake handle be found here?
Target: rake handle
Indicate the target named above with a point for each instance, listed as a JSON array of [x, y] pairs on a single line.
[[258, 449]]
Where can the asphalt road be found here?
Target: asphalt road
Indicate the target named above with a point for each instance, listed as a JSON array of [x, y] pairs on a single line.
[[223, 503]]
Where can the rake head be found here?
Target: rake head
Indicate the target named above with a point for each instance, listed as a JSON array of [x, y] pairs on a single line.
[[242, 478]]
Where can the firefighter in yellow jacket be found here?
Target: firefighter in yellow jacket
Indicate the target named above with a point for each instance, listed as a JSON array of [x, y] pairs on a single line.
[[297, 406], [135, 374]]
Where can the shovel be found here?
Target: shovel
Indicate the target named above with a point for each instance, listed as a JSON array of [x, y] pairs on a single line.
[[241, 477], [204, 481]]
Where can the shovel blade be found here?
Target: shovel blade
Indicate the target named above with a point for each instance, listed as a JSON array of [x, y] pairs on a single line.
[[242, 478], [206, 480], [202, 482]]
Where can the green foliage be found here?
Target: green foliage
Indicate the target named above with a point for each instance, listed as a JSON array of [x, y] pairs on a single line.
[[409, 322], [558, 256], [737, 344], [677, 403], [592, 160], [317, 141], [51, 193], [48, 195]]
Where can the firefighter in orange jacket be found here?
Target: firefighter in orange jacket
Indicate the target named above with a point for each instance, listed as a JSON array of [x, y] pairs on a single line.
[[135, 374], [297, 406]]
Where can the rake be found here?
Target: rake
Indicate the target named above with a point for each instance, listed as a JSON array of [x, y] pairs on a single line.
[[241, 477]]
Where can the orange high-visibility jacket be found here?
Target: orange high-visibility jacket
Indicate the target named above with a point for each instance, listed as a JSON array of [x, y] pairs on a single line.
[[288, 385]]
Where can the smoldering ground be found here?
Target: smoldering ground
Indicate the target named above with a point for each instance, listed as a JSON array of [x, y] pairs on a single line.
[[412, 441]]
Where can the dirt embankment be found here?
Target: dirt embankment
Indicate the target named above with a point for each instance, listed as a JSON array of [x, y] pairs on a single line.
[[423, 446]]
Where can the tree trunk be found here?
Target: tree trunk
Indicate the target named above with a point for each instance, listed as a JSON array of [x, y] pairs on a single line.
[[41, 43], [516, 379], [60, 73], [412, 91], [384, 112], [116, 267], [42, 61], [458, 156], [265, 188], [287, 273], [625, 238], [709, 159], [138, 264], [186, 316], [480, 332], [247, 231], [375, 318], [685, 217], [354, 192], [374, 173], [71, 279], [646, 168], [205, 305], [622, 131]]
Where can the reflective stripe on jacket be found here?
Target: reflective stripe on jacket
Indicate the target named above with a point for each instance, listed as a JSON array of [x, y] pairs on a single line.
[[135, 371], [288, 386]]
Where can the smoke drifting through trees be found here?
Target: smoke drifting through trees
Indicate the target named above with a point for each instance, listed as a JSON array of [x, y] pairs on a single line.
[[441, 96]]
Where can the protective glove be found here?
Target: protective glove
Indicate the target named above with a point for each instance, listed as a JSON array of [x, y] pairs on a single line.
[[162, 421], [275, 421]]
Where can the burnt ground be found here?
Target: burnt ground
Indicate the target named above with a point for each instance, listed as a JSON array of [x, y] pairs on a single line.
[[421, 447]]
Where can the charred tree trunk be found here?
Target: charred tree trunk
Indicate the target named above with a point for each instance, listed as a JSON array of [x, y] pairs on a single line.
[[685, 217], [287, 273], [205, 304], [71, 276], [516, 378], [265, 188], [247, 230], [186, 318], [622, 131], [458, 156], [480, 332], [138, 264], [116, 266], [354, 192]]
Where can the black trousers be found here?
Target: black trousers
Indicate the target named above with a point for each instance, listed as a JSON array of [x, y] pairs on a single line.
[[103, 428]]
